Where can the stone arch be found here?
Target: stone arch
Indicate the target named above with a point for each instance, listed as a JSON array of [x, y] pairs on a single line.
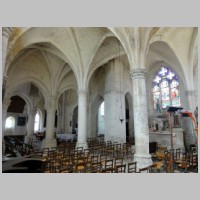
[[25, 97], [36, 82], [167, 56], [21, 44], [93, 68], [67, 98], [94, 115]]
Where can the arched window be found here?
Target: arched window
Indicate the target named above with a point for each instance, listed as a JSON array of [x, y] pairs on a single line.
[[10, 122], [37, 122], [166, 90], [102, 109]]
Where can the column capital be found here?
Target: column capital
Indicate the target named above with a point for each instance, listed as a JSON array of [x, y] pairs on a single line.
[[51, 103], [138, 73], [82, 92], [6, 31]]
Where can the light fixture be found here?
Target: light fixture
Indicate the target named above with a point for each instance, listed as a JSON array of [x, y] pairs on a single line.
[[121, 115]]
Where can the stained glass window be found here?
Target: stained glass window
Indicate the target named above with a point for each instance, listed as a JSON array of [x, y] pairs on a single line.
[[166, 89]]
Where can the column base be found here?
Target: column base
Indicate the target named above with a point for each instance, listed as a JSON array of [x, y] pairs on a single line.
[[143, 160], [49, 143], [82, 144]]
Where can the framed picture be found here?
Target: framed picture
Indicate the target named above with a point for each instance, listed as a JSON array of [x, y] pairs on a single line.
[[21, 121]]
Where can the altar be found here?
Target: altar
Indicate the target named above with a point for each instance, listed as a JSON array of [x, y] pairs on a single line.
[[163, 138]]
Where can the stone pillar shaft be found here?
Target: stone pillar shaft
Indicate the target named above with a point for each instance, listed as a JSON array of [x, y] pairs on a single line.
[[49, 140], [142, 156], [30, 126], [82, 118], [31, 122]]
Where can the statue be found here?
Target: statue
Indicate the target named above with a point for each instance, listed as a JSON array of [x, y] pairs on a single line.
[[158, 109]]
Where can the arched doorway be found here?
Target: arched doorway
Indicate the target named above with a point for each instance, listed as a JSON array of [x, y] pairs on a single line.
[[75, 121], [129, 118], [101, 120]]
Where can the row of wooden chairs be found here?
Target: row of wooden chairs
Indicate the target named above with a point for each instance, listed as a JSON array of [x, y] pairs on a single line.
[[77, 164]]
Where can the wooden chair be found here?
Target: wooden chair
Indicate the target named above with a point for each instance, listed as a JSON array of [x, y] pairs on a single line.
[[132, 167], [153, 168], [63, 168], [118, 161], [177, 154], [193, 162], [96, 167], [183, 167], [109, 170], [80, 168], [103, 158], [108, 164], [120, 168], [110, 151], [94, 159], [130, 153], [118, 150], [143, 170]]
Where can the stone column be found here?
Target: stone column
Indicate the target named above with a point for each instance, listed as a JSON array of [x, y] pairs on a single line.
[[30, 126], [63, 109], [114, 99], [6, 32], [50, 140], [191, 99], [59, 120], [5, 106], [142, 156], [82, 119], [115, 130]]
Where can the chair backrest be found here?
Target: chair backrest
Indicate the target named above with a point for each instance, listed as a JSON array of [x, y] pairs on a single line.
[[193, 160], [118, 161], [145, 169], [97, 166], [94, 159], [109, 143], [120, 168], [178, 154], [109, 164], [132, 167]]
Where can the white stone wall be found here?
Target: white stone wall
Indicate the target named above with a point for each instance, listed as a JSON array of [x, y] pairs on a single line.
[[17, 130], [101, 124], [105, 86]]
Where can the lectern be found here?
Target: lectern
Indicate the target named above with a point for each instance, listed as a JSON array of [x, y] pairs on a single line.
[[171, 110]]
